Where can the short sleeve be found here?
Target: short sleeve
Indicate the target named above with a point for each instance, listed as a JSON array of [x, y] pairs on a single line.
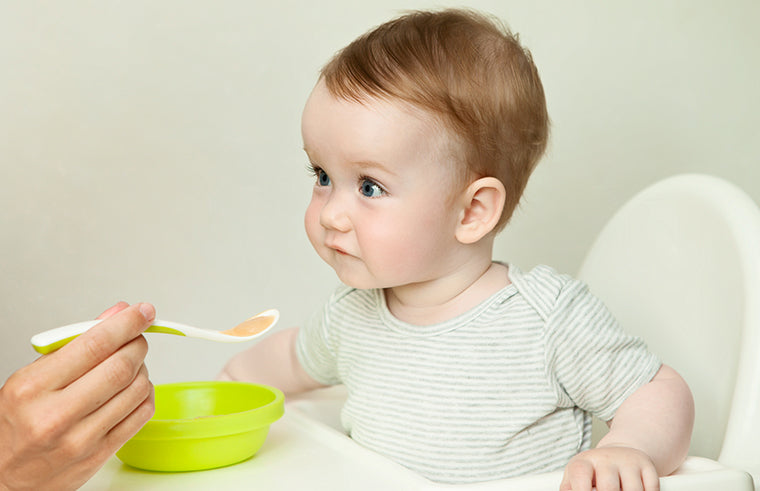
[[592, 362], [314, 349]]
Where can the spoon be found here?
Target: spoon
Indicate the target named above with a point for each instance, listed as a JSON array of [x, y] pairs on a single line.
[[49, 341]]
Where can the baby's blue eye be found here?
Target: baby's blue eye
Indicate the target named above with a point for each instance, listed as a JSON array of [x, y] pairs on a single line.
[[371, 189], [322, 178]]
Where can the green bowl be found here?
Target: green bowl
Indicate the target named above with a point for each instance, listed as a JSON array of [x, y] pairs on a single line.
[[203, 425]]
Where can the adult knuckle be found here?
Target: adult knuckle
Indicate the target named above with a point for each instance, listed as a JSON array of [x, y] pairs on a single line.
[[141, 346], [120, 370], [102, 340], [96, 346], [38, 435], [73, 448], [20, 389], [44, 432], [146, 410], [142, 386], [134, 350]]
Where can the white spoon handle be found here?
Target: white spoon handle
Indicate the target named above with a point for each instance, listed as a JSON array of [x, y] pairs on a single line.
[[49, 341]]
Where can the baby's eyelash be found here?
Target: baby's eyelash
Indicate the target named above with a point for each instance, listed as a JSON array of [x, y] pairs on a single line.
[[312, 169], [363, 178], [367, 185]]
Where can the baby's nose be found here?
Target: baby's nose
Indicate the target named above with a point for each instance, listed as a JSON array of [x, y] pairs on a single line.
[[334, 215]]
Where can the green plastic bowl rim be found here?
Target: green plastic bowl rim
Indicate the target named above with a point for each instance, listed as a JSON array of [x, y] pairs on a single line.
[[215, 425]]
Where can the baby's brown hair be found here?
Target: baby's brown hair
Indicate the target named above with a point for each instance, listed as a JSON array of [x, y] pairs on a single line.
[[470, 72]]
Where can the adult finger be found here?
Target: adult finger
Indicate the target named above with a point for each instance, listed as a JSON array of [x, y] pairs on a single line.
[[85, 436], [113, 310], [99, 423], [130, 425], [100, 450], [97, 387], [94, 346]]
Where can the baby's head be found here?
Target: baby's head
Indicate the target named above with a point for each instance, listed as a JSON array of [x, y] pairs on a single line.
[[467, 71]]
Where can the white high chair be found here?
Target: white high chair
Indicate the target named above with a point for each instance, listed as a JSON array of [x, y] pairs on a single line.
[[679, 265]]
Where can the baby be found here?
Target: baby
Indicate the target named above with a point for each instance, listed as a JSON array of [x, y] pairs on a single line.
[[421, 136]]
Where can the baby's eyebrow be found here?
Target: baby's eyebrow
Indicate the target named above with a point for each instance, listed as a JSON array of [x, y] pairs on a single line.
[[312, 156], [372, 165], [362, 165]]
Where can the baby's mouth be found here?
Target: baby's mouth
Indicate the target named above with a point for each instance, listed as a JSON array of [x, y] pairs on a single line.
[[337, 249], [340, 251]]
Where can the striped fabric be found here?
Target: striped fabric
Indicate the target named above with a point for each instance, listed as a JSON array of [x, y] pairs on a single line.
[[503, 390]]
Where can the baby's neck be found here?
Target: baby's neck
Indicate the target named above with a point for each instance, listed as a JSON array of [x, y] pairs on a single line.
[[444, 298]]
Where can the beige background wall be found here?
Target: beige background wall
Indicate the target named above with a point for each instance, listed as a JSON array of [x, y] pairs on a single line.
[[150, 150]]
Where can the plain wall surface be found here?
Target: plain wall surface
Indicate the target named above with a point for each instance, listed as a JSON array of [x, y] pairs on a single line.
[[151, 151]]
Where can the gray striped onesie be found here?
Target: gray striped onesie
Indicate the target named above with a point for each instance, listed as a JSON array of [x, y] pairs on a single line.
[[502, 390]]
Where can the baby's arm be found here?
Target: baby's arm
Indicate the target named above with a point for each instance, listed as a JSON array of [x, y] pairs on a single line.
[[649, 437], [272, 361]]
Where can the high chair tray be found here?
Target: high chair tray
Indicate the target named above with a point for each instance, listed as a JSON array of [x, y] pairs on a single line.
[[307, 449]]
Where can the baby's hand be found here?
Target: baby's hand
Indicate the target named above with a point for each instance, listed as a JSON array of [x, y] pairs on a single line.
[[610, 468]]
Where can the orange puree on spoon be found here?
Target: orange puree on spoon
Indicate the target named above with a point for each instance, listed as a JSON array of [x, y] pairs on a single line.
[[250, 327]]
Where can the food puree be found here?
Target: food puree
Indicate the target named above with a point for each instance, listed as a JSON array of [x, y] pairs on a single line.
[[251, 327]]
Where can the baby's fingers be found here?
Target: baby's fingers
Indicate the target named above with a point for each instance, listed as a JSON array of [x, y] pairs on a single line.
[[610, 469], [608, 479], [650, 478], [578, 476], [630, 480], [642, 477]]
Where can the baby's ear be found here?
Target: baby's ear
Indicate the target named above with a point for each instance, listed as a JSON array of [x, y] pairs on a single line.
[[483, 203]]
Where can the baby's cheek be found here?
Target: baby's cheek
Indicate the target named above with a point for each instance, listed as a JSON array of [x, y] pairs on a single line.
[[395, 248], [311, 220], [311, 216]]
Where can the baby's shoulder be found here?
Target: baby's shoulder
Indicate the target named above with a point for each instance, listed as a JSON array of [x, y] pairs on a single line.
[[545, 289]]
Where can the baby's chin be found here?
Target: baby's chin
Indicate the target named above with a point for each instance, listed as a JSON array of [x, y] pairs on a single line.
[[358, 281], [350, 270], [353, 282]]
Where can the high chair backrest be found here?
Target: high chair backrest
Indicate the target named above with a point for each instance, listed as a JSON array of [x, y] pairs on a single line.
[[679, 265]]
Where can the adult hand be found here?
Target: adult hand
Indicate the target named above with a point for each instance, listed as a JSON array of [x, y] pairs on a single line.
[[64, 415]]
